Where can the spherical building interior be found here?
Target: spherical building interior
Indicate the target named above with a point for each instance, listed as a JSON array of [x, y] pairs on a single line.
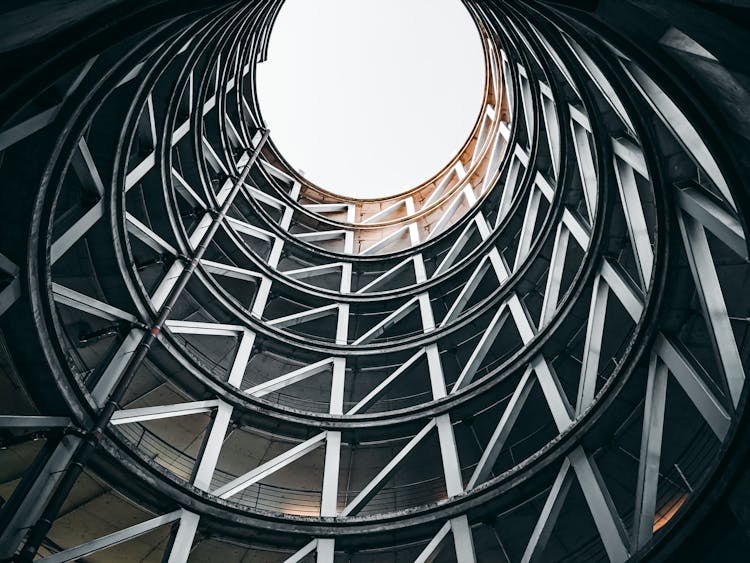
[[534, 350]]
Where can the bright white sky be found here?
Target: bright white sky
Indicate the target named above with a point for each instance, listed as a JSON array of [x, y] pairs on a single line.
[[370, 97]]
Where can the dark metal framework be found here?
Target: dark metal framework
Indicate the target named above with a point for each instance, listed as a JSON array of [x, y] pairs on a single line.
[[539, 354]]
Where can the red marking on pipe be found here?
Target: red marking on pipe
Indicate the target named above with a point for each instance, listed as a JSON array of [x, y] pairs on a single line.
[[155, 331]]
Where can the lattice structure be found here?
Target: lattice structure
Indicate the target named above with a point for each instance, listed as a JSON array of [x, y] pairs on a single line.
[[538, 354]]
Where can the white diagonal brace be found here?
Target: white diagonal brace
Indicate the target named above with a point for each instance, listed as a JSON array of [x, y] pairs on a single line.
[[697, 391], [326, 207], [502, 430], [212, 158], [377, 482], [12, 292], [635, 219], [483, 134], [147, 236], [287, 379], [467, 290], [548, 517], [7, 266], [680, 125], [85, 168], [650, 454], [527, 229], [326, 550], [263, 197], [197, 327], [440, 189], [248, 229], [449, 455], [493, 166], [714, 307], [623, 290], [200, 230], [527, 101], [606, 519], [466, 195], [209, 457], [183, 539], [552, 126], [230, 271], [386, 212], [304, 316], [372, 395], [186, 191], [71, 298], [28, 127], [387, 322], [317, 236], [386, 241], [262, 471], [592, 345], [10, 295], [562, 413], [137, 173], [554, 278], [313, 271], [456, 249], [302, 553], [66, 240], [580, 233], [273, 171], [116, 366], [510, 184], [704, 209], [128, 416], [598, 78], [482, 348], [112, 539], [241, 358], [586, 166], [629, 151], [463, 542], [432, 549], [385, 275]]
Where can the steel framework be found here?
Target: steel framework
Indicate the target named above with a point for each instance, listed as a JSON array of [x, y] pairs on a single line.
[[538, 354]]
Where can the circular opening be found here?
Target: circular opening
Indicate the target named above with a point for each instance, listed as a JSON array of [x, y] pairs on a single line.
[[368, 98]]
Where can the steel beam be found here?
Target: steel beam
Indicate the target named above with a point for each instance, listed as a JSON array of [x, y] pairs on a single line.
[[129, 416], [264, 470], [714, 307], [502, 430], [650, 454], [548, 518], [112, 539], [600, 504], [592, 345], [377, 482]]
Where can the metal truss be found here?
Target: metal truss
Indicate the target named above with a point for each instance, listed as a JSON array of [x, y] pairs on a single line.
[[476, 357]]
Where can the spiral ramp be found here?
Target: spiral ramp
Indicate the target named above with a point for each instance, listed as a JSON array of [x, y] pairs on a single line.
[[538, 354]]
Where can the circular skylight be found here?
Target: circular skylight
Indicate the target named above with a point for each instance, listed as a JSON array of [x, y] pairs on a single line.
[[368, 98]]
